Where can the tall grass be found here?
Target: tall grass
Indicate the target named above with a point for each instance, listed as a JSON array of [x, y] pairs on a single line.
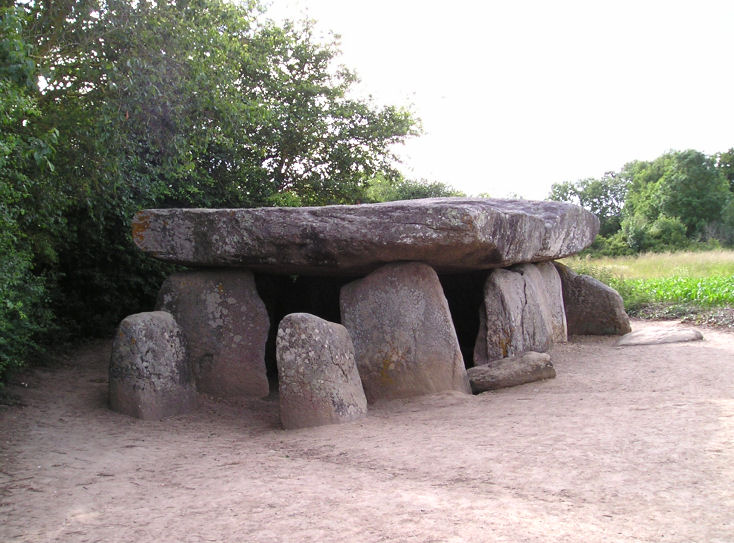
[[659, 265], [703, 279]]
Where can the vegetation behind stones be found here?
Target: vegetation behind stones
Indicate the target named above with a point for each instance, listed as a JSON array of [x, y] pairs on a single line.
[[109, 107], [693, 286]]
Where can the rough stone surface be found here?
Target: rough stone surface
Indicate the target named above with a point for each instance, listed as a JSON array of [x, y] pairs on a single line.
[[510, 372], [657, 336], [404, 340], [149, 377], [592, 308], [550, 288], [450, 234], [226, 327], [513, 318], [318, 378]]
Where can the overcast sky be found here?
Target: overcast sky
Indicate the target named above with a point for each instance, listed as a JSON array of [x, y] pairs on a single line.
[[517, 95]]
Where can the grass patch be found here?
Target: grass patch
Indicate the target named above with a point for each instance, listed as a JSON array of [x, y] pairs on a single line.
[[692, 286], [719, 262]]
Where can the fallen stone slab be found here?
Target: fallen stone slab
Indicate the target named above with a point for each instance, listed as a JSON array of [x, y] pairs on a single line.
[[404, 340], [226, 327], [592, 308], [449, 234], [657, 336], [317, 375], [510, 372], [149, 377]]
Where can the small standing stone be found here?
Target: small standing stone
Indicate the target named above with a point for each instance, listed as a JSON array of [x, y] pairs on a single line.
[[318, 378], [510, 372], [149, 375], [404, 339], [226, 327]]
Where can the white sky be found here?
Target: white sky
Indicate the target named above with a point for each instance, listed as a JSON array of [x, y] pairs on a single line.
[[516, 95]]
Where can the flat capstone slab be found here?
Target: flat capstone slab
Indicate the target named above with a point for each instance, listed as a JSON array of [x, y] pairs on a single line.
[[449, 234]]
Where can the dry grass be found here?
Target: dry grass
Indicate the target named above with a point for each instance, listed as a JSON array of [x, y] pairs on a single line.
[[718, 262]]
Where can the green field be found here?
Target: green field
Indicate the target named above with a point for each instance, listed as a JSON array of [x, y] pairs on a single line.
[[695, 279]]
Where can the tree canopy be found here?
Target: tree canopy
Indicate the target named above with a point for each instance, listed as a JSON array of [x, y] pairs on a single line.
[[678, 198], [110, 106]]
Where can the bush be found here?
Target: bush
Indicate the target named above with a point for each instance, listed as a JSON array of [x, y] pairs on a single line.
[[23, 313], [667, 233]]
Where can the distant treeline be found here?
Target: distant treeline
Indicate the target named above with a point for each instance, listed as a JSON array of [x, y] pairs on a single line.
[[682, 199]]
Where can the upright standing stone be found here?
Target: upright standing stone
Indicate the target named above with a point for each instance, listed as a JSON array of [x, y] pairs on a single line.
[[548, 287], [512, 318], [318, 378], [226, 327], [149, 374], [404, 340], [592, 307]]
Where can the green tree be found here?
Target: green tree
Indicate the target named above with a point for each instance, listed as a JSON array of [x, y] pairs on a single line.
[[682, 185], [24, 154], [725, 164], [692, 190], [384, 189], [604, 197], [193, 103]]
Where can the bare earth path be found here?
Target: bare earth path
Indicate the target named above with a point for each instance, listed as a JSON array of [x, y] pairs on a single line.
[[626, 444]]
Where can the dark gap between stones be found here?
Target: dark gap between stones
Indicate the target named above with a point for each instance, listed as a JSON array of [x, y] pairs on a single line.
[[464, 292], [285, 294]]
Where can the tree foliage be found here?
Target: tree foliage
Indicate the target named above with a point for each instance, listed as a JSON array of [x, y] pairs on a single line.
[[664, 204], [604, 197], [725, 163], [383, 189], [187, 103], [25, 154]]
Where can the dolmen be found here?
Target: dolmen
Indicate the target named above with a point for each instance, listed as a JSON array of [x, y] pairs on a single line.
[[390, 331]]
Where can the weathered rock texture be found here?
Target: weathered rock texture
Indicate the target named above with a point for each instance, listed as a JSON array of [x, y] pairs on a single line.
[[515, 317], [404, 340], [550, 289], [318, 378], [226, 328], [450, 234], [657, 336], [510, 372], [149, 377], [592, 308]]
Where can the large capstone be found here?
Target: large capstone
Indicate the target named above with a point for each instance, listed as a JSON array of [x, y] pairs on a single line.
[[149, 377], [592, 308], [449, 234], [318, 378], [226, 327], [404, 341]]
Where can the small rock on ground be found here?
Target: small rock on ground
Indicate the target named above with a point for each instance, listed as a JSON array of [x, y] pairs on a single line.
[[657, 336], [509, 372]]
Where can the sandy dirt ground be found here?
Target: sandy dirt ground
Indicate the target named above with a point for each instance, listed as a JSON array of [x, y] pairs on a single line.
[[626, 444]]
